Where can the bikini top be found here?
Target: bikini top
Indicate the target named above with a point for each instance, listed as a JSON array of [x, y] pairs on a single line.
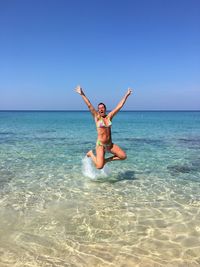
[[101, 124]]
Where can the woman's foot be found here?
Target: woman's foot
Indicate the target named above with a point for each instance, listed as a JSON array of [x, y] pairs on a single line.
[[89, 153]]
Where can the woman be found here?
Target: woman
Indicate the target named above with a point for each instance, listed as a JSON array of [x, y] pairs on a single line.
[[103, 124]]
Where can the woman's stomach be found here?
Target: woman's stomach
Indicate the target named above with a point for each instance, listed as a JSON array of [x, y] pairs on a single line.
[[105, 137]]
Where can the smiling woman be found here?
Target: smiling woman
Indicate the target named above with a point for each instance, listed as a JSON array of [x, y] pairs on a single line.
[[103, 124]]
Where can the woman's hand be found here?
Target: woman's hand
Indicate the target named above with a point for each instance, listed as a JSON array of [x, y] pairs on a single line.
[[129, 91], [79, 90]]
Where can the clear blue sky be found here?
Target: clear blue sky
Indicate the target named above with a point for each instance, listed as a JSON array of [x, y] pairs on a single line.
[[48, 47]]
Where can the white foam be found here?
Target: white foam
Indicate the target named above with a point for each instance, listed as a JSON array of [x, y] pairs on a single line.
[[90, 171]]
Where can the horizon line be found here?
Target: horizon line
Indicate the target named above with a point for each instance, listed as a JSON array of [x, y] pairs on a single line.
[[84, 110]]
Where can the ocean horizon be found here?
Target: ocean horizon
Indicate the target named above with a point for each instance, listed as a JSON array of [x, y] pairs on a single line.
[[86, 110], [57, 210]]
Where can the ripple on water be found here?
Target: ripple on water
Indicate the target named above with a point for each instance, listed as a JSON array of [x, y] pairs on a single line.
[[176, 169], [191, 143]]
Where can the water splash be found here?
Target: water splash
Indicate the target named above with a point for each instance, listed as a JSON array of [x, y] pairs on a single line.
[[90, 171]]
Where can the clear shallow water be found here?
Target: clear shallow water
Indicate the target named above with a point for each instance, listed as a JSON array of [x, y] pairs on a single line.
[[144, 211]]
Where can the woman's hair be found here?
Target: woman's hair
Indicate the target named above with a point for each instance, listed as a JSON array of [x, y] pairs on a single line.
[[102, 104]]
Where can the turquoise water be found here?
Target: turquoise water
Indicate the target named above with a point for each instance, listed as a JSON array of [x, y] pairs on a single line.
[[144, 211]]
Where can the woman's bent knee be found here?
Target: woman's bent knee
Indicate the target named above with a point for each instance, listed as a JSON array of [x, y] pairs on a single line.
[[124, 156], [99, 165]]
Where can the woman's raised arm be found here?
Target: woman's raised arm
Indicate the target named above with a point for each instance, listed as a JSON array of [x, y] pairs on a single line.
[[79, 90], [120, 105]]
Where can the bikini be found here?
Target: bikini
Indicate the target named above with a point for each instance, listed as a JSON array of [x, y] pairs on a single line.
[[101, 124]]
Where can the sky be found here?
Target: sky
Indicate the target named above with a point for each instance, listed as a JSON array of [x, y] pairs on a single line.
[[47, 47]]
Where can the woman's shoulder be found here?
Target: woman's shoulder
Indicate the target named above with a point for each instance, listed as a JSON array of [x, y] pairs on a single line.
[[97, 117], [108, 117]]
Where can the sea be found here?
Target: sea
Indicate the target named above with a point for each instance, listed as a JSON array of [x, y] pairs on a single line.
[[57, 210]]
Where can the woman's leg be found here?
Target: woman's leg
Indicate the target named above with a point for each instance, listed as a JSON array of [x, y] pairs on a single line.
[[98, 160], [119, 154]]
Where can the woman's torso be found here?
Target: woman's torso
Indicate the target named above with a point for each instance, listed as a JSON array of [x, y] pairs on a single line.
[[103, 129]]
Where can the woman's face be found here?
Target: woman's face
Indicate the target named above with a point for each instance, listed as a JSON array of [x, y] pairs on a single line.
[[102, 110]]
